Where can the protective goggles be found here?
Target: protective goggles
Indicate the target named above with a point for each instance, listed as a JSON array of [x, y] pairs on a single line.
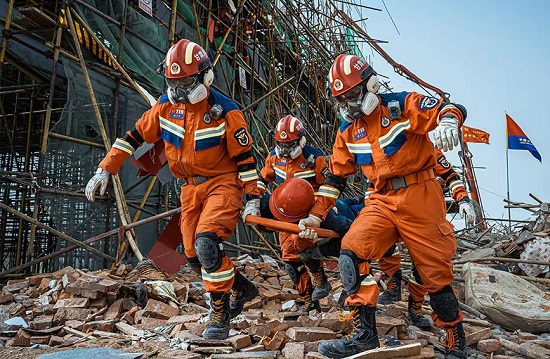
[[182, 82], [351, 95]]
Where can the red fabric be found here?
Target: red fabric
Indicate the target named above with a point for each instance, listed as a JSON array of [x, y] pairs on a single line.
[[474, 135]]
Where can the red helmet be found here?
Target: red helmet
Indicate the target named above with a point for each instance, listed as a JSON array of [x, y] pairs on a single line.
[[188, 72], [348, 71], [185, 58], [292, 200], [290, 135]]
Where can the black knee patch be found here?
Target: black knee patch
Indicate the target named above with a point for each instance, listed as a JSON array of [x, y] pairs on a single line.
[[416, 275], [349, 271], [310, 257], [209, 251], [445, 304], [389, 252], [295, 271]]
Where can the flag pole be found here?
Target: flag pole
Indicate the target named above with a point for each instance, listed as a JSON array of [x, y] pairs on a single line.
[[508, 177]]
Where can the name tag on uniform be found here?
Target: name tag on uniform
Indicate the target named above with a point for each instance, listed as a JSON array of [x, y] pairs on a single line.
[[177, 113], [359, 133]]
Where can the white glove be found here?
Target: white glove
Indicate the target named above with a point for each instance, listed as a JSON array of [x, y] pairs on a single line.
[[309, 221], [466, 209], [446, 134], [101, 178], [252, 207]]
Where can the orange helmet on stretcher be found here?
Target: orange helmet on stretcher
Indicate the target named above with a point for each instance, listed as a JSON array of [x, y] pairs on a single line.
[[292, 200]]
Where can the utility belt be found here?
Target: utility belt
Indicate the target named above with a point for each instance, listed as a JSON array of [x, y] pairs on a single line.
[[195, 180], [405, 181]]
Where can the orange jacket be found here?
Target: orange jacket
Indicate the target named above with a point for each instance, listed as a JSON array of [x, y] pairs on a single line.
[[195, 143], [452, 180], [309, 166], [384, 148]]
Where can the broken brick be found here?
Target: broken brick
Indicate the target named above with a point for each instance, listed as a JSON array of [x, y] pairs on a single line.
[[489, 345], [276, 342], [160, 310], [114, 310], [294, 351], [72, 303], [41, 322], [310, 334], [21, 339], [240, 341]]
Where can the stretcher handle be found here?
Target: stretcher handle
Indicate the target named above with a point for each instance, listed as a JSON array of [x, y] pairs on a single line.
[[279, 226]]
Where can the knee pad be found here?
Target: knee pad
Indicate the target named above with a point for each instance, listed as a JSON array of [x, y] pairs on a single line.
[[416, 275], [209, 251], [390, 251], [295, 271], [445, 304], [348, 263], [311, 257]]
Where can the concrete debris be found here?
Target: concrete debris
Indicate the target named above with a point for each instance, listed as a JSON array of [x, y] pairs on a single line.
[[109, 308]]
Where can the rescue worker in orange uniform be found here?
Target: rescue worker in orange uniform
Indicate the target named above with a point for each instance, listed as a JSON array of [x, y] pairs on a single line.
[[391, 262], [208, 145], [387, 135], [294, 158]]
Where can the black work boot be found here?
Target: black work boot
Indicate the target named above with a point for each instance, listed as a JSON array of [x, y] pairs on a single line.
[[364, 335], [393, 291], [309, 304], [218, 329], [455, 342], [415, 316], [321, 285], [243, 290]]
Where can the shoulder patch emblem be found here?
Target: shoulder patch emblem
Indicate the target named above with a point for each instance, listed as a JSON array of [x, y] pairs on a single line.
[[206, 118], [385, 121], [443, 162], [359, 133], [303, 165], [428, 102], [241, 135]]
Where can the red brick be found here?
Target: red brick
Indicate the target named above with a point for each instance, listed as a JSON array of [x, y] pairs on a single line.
[[15, 287], [103, 325], [276, 342], [186, 318], [294, 351], [253, 348], [160, 310], [21, 339], [489, 345], [36, 279], [40, 339], [99, 303], [6, 298], [151, 323], [75, 324], [72, 303], [310, 334], [475, 337], [240, 341], [64, 314], [42, 322], [114, 310]]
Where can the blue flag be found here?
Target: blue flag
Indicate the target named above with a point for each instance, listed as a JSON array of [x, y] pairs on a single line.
[[518, 140]]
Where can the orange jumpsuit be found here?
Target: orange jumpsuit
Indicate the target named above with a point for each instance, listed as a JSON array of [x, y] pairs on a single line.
[[309, 166], [444, 170], [406, 202], [215, 159]]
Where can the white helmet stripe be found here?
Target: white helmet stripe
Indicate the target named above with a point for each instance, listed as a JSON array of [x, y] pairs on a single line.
[[189, 53], [279, 125], [347, 64], [330, 75], [293, 123]]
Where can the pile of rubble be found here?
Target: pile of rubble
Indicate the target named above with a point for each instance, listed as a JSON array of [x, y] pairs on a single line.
[[143, 310]]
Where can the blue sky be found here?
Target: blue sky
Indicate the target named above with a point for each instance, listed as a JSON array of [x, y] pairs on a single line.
[[491, 56]]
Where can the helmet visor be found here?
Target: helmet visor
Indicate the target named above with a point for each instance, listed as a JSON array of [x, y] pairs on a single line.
[[286, 148]]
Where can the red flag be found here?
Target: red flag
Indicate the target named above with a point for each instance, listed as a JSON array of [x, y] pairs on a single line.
[[518, 140], [211, 26], [470, 134]]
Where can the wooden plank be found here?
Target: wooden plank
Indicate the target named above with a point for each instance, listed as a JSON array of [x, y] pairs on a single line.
[[408, 350]]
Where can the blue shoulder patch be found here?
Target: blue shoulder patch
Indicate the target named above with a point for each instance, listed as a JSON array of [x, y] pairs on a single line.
[[397, 96], [310, 150], [163, 99], [272, 153], [225, 102], [345, 125]]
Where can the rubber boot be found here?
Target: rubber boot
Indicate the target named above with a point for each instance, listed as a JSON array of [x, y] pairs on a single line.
[[218, 329], [321, 285], [308, 303], [364, 335], [243, 290], [393, 293], [455, 342], [415, 316]]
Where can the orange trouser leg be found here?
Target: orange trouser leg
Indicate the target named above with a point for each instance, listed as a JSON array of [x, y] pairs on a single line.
[[391, 264], [371, 234], [212, 207], [428, 236], [416, 291], [304, 285], [302, 244]]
